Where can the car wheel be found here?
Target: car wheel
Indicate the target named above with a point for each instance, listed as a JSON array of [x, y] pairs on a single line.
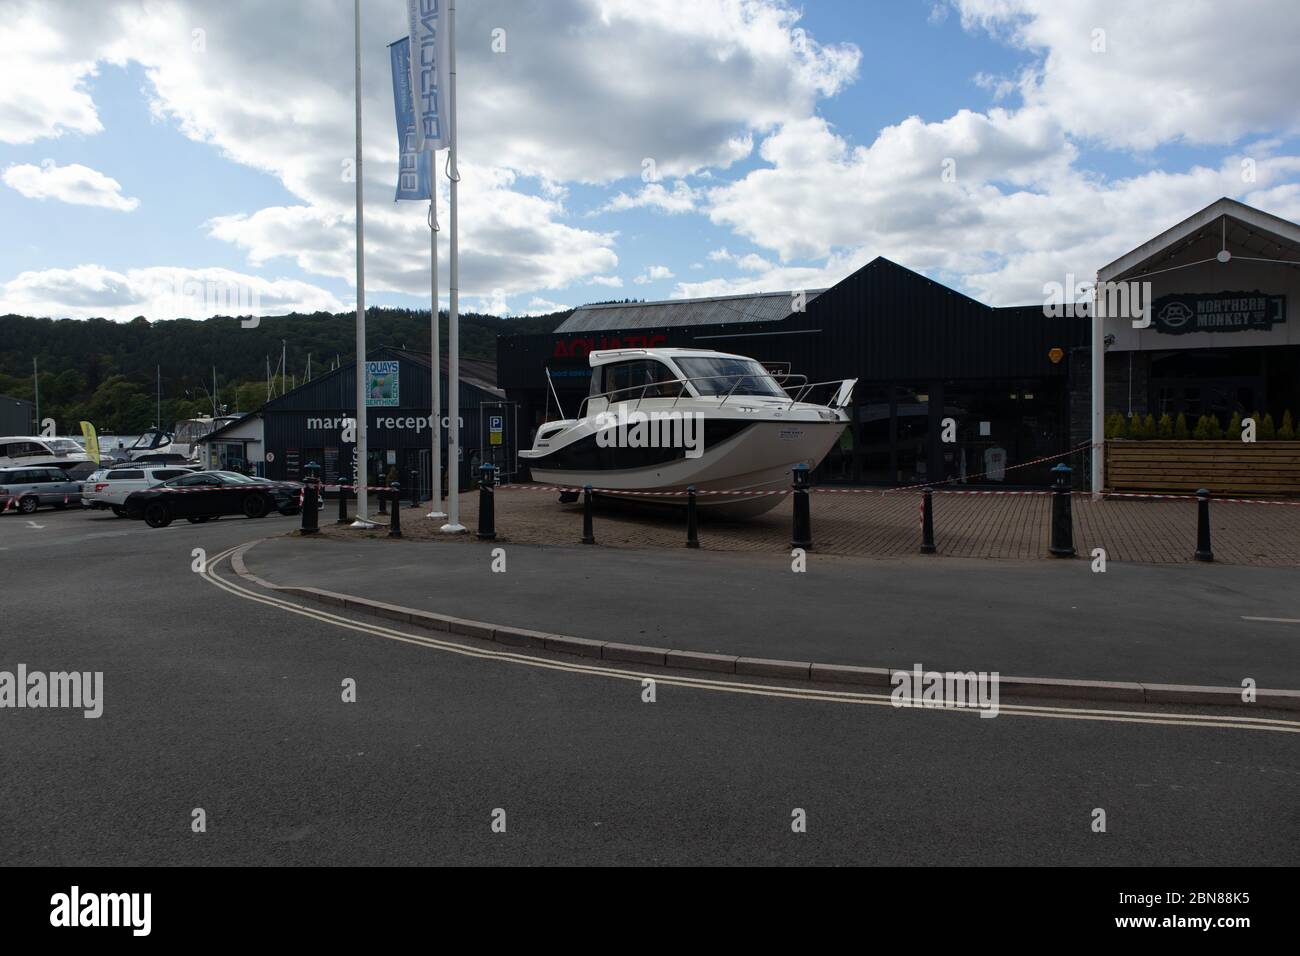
[[255, 506], [157, 515], [28, 505], [119, 511]]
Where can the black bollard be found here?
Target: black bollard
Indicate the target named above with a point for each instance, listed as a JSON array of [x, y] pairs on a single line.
[[1062, 519], [587, 536], [311, 497], [927, 522], [1203, 550], [487, 530], [692, 530], [415, 488], [395, 516], [802, 536], [343, 503]]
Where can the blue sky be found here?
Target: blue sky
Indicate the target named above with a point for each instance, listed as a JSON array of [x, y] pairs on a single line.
[[834, 172]]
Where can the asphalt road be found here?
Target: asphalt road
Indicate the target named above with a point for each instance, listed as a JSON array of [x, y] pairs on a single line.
[[1172, 624], [216, 701]]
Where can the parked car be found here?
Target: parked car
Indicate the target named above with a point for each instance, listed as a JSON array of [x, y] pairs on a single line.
[[26, 489], [108, 488], [205, 495]]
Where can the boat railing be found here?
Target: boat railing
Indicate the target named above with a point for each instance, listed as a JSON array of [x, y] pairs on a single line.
[[781, 380], [807, 387]]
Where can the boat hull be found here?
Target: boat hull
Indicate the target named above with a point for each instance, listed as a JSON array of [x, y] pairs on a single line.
[[752, 465]]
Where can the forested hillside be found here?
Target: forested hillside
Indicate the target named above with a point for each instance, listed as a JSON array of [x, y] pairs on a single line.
[[103, 371]]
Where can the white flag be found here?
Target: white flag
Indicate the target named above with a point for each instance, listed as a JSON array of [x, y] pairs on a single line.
[[430, 66]]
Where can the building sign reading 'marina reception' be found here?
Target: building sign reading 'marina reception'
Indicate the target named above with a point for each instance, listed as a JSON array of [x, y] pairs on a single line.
[[1217, 312]]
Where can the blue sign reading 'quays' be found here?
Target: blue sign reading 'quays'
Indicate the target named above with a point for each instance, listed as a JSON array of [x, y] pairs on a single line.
[[382, 384]]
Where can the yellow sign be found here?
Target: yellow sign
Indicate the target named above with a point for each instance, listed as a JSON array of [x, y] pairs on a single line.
[[1056, 355], [92, 441]]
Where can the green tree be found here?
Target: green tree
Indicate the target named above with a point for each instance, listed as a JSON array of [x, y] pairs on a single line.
[[1234, 426], [1267, 429], [1287, 431], [1180, 428], [1165, 429]]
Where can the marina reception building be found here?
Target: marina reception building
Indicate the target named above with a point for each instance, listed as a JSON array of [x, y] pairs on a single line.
[[309, 423]]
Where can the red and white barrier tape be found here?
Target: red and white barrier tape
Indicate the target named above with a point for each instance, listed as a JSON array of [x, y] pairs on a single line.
[[914, 489]]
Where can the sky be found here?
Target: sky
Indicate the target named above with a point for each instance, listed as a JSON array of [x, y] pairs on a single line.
[[180, 158]]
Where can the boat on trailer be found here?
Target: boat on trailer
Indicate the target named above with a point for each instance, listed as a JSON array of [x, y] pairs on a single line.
[[658, 421]]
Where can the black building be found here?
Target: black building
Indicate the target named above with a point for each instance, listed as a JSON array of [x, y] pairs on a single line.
[[922, 354], [17, 416], [307, 424]]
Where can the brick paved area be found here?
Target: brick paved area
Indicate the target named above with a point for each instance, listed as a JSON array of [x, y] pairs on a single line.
[[876, 524]]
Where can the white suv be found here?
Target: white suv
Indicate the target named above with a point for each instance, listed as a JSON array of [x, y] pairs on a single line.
[[108, 487]]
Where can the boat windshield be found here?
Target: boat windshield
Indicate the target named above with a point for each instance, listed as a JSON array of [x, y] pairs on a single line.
[[719, 375]]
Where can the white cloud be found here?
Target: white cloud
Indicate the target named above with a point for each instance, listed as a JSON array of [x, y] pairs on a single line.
[[540, 306], [75, 184], [510, 242], [613, 282], [653, 274], [751, 262], [681, 198], [1202, 72], [159, 292], [44, 66]]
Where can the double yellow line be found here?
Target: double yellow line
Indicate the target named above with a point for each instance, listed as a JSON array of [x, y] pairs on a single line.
[[790, 692]]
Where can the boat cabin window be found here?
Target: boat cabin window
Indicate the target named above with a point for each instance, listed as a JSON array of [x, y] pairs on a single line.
[[628, 379], [25, 449], [723, 375]]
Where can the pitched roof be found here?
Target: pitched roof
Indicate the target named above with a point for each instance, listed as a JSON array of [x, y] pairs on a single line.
[[714, 310], [1224, 222], [480, 373]]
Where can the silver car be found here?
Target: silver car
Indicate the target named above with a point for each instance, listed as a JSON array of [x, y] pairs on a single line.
[[26, 489]]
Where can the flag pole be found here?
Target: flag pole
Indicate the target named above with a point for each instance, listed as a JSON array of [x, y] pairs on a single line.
[[435, 352], [360, 472], [453, 525]]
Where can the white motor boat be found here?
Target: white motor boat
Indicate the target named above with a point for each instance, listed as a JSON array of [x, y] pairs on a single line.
[[659, 421], [39, 450], [158, 447]]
